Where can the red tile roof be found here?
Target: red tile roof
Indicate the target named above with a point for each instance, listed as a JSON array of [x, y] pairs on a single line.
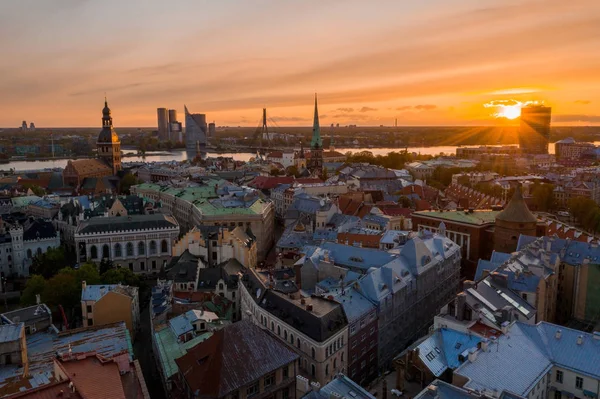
[[270, 182], [94, 379], [471, 198], [232, 358], [423, 205], [367, 240], [399, 211], [50, 391], [308, 180]]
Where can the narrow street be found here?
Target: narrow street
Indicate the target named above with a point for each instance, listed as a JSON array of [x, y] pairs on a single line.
[[142, 348]]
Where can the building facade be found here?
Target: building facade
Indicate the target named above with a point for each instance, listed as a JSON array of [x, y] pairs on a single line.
[[217, 203], [315, 327], [143, 243], [108, 304], [20, 243], [237, 362]]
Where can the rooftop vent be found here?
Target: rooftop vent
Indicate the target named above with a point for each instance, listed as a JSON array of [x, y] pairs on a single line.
[[580, 340], [558, 334]]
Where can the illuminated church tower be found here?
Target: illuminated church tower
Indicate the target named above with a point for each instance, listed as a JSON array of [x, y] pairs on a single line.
[[109, 146]]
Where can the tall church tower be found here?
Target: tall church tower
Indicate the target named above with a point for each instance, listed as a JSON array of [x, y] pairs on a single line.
[[316, 146], [108, 145]]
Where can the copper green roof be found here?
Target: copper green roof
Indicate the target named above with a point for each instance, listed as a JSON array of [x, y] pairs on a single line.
[[206, 199], [169, 349], [475, 218]]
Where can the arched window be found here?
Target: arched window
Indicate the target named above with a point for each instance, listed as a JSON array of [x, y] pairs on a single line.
[[278, 330], [49, 248], [313, 370], [334, 363], [342, 356], [313, 353], [118, 252], [94, 252], [105, 251], [285, 334], [298, 342], [129, 249], [152, 247], [164, 246], [29, 254], [272, 326], [39, 251], [327, 369], [141, 248], [292, 339]]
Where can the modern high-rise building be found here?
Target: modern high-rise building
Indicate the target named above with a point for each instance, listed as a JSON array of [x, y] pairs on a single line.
[[195, 132], [163, 123], [212, 129], [172, 116], [534, 132]]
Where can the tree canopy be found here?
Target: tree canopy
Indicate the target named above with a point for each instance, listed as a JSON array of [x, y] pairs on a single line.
[[49, 263]]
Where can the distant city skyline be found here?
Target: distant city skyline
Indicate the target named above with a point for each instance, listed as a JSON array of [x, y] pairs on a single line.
[[435, 62]]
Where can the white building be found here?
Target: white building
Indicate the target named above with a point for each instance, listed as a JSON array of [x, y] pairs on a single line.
[[21, 243], [143, 243]]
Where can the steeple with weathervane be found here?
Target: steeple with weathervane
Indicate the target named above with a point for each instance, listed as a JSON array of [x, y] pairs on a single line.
[[108, 144], [316, 145]]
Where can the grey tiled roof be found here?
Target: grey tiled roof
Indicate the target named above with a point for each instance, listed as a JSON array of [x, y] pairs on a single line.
[[130, 223]]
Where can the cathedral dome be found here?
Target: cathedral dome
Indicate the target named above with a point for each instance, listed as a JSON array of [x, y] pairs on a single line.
[[108, 135]]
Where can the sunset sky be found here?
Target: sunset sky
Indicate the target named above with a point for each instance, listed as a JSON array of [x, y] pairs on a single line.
[[425, 62]]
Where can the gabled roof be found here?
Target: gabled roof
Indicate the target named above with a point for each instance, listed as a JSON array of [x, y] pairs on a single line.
[[441, 350], [517, 360], [184, 268], [232, 358], [92, 165]]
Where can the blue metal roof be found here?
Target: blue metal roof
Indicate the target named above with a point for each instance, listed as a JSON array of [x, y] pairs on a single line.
[[345, 388], [95, 292], [517, 361], [354, 303], [483, 265], [10, 332], [357, 257], [442, 349], [499, 257]]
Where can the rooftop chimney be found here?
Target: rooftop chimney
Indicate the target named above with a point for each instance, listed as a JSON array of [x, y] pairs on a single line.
[[83, 285], [558, 334], [472, 354]]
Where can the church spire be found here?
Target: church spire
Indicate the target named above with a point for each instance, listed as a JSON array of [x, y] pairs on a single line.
[[316, 137]]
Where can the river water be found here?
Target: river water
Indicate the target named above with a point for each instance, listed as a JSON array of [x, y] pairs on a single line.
[[181, 155]]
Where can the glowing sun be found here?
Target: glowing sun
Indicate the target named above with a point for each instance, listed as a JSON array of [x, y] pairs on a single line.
[[509, 111]]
